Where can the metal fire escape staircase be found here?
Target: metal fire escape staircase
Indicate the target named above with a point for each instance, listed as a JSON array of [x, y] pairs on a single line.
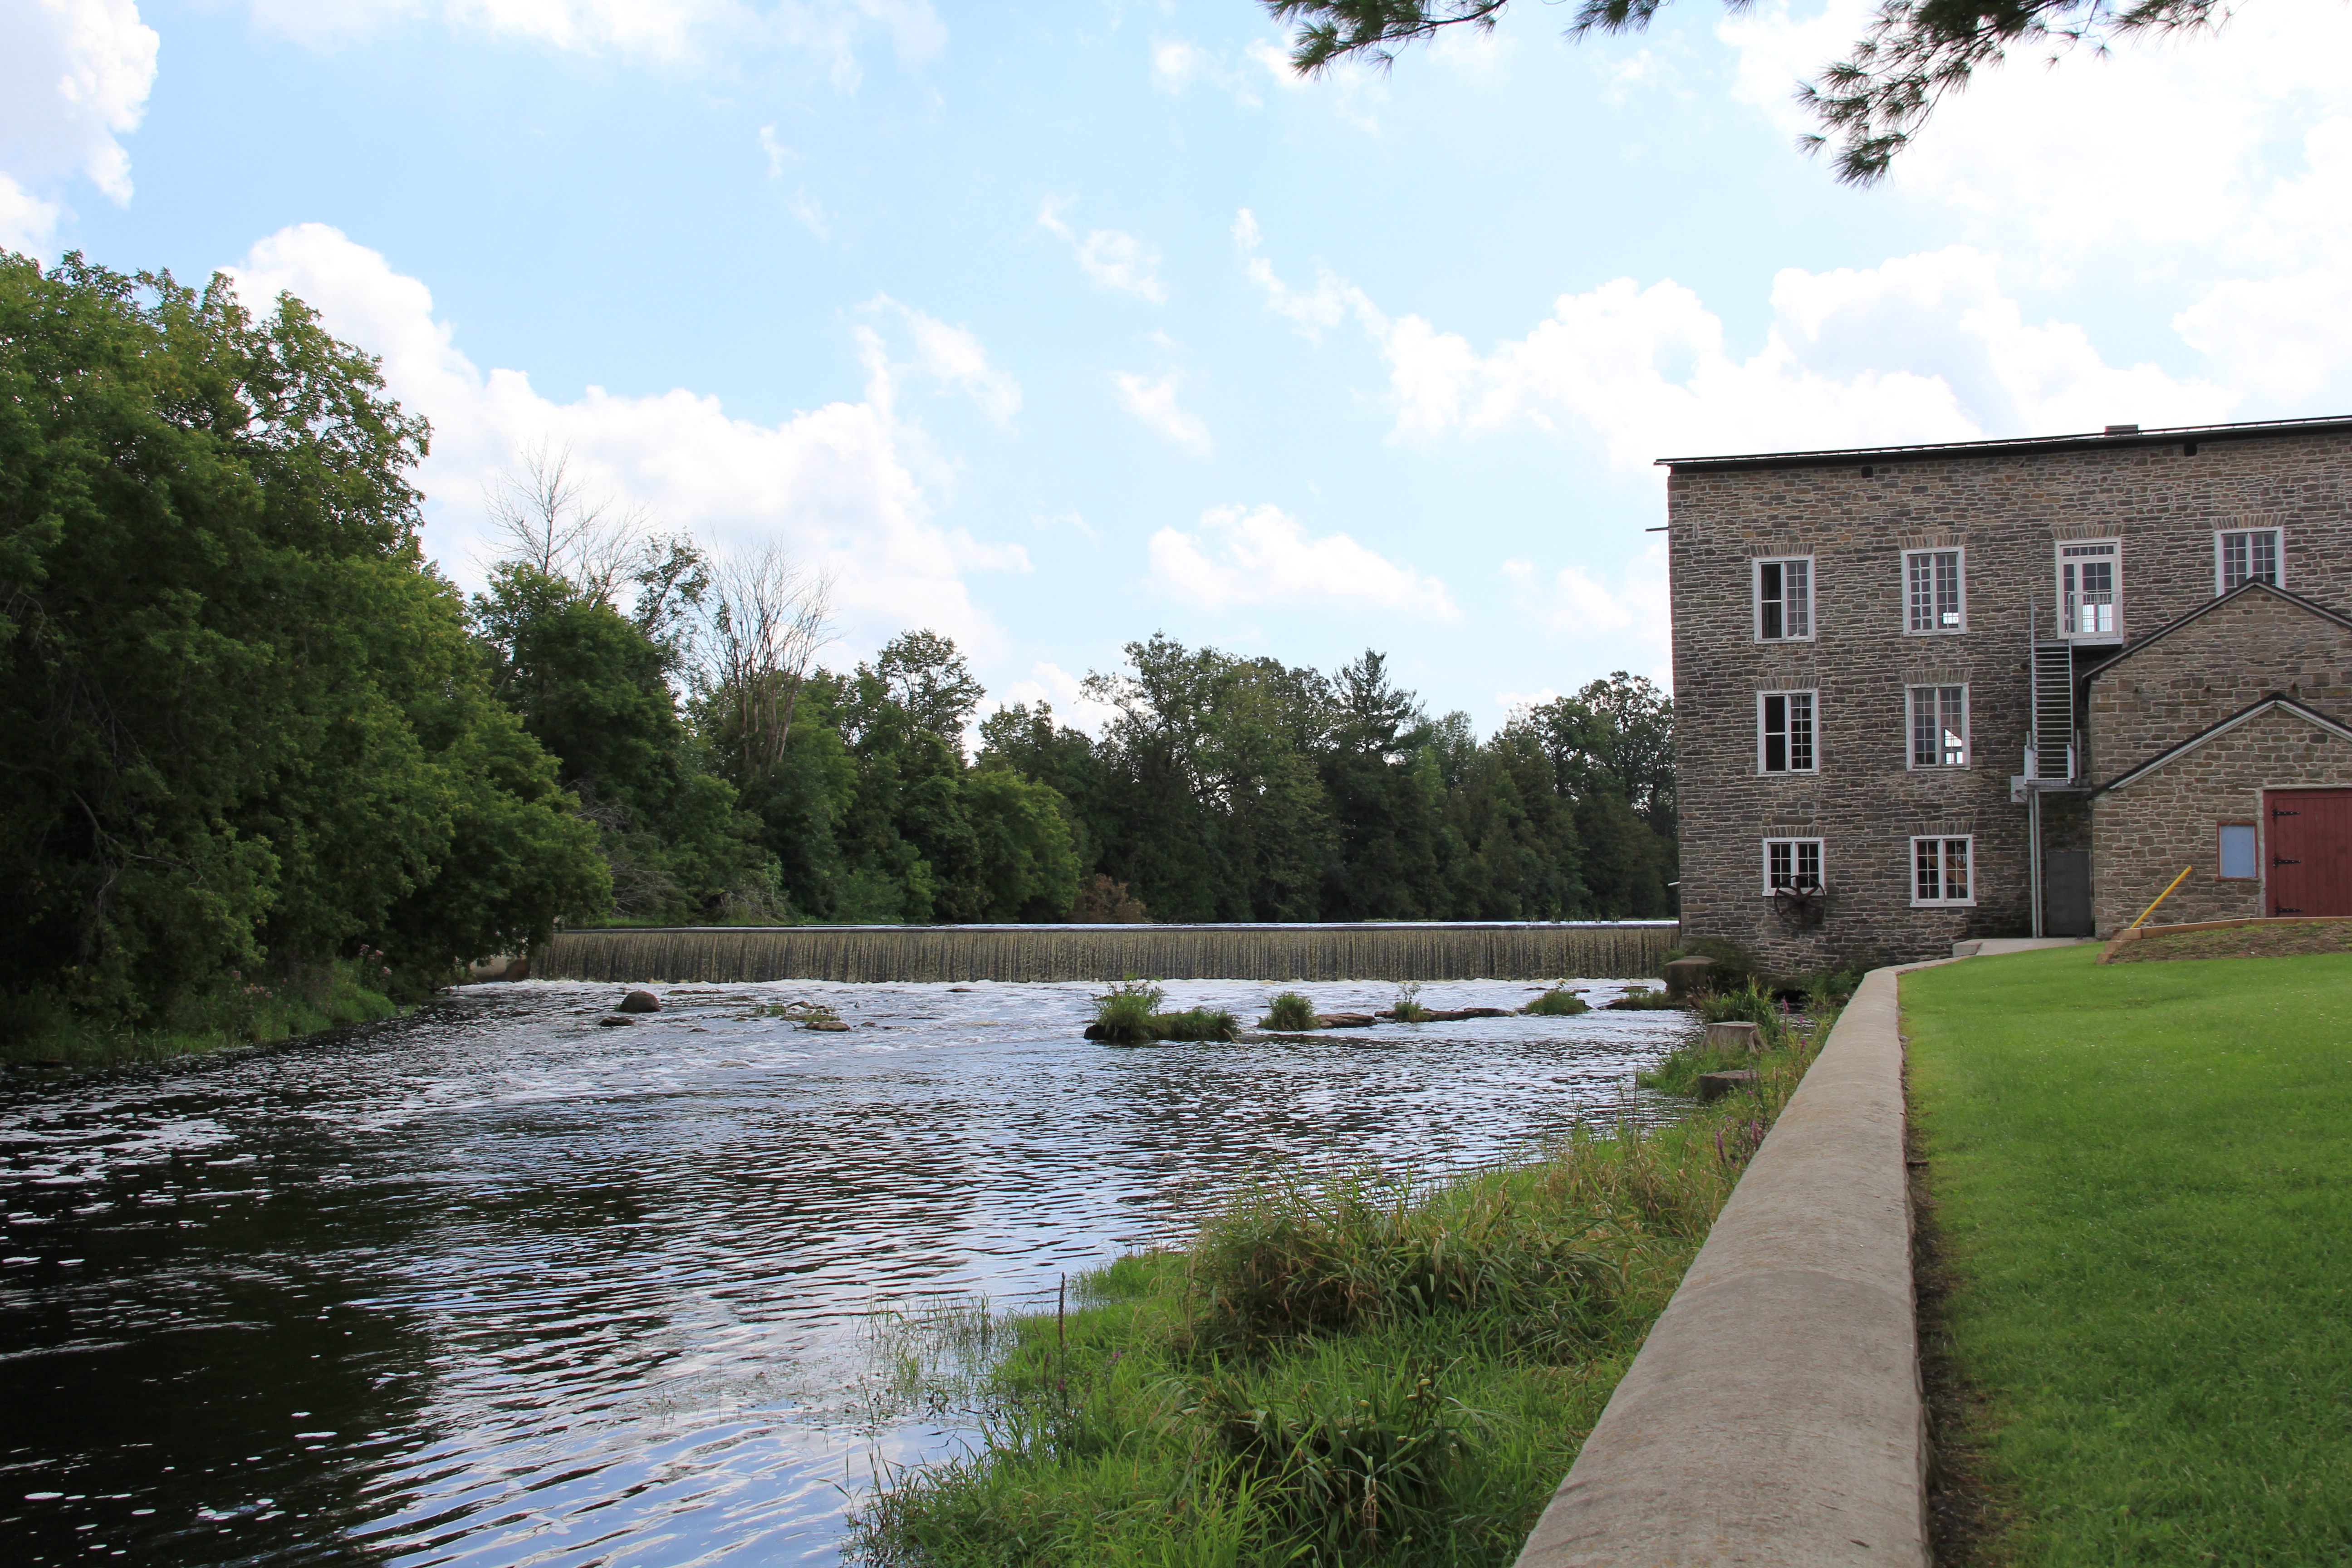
[[2052, 755], [2051, 748]]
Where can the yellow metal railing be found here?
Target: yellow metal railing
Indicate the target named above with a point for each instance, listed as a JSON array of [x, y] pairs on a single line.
[[2162, 897]]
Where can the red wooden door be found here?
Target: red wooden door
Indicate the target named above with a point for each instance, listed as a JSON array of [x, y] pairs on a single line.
[[2309, 846]]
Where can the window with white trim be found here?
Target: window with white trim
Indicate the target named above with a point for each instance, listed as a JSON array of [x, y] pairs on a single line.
[[2243, 555], [1784, 732], [1941, 872], [2091, 589], [1792, 864], [1935, 591], [1940, 726], [1784, 599]]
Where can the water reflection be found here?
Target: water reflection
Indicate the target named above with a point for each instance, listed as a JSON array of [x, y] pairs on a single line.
[[495, 1285]]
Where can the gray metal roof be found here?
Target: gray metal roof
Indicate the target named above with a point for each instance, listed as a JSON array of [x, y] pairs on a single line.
[[2087, 441]]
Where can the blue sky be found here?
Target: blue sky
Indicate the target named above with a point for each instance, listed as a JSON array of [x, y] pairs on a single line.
[[1051, 326]]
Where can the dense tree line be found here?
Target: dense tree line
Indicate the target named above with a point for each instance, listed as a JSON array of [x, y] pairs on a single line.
[[1231, 788], [729, 785], [247, 722], [252, 728]]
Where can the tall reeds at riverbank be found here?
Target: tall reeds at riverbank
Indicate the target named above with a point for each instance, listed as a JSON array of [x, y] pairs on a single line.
[[261, 1009], [1031, 953], [1352, 1369]]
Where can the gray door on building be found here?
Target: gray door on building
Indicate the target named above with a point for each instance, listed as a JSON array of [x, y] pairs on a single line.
[[2066, 892]]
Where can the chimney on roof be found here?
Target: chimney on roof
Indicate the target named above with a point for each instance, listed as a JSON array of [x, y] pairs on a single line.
[[2123, 430]]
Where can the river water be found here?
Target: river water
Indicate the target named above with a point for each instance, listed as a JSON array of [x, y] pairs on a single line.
[[495, 1285]]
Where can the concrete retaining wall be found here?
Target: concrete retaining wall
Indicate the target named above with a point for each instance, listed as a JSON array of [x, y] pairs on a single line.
[[1774, 1414]]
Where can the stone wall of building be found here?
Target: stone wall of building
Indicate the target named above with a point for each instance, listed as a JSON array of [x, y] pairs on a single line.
[[2143, 832], [2221, 662], [2006, 511]]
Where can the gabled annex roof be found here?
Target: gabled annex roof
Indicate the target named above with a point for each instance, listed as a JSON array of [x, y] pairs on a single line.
[[2179, 621], [2215, 731], [2114, 436]]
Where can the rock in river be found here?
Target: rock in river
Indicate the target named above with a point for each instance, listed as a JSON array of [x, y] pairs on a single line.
[[640, 1002]]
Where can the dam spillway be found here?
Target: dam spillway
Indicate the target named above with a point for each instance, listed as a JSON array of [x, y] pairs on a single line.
[[1384, 950]]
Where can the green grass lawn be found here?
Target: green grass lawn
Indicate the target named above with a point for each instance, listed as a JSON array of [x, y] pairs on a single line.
[[2142, 1185]]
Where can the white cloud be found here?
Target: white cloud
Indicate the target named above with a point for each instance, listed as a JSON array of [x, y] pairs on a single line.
[[835, 485], [2214, 166], [2289, 333], [1625, 621], [1920, 348], [1072, 521], [778, 155], [803, 206], [1310, 310], [1050, 683], [74, 78], [1520, 701], [2150, 155], [1110, 260], [662, 31], [1263, 556], [954, 357], [26, 222], [812, 215], [1152, 399], [1177, 64], [1354, 91]]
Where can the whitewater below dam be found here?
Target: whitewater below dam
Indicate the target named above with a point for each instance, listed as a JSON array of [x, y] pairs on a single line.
[[495, 1285]]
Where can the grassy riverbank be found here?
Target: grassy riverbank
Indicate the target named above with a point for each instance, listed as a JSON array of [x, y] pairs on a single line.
[[238, 1013], [1360, 1370], [2136, 1176]]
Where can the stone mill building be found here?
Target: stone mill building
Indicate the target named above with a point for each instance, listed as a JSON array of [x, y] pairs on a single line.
[[2012, 688]]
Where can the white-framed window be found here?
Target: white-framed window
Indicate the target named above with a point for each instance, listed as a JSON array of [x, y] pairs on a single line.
[[1785, 741], [2240, 856], [1793, 863], [1935, 591], [1784, 599], [1943, 870], [1940, 726], [2243, 555], [2091, 589]]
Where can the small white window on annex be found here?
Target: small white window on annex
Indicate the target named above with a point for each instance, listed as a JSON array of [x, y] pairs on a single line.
[[1792, 865], [2091, 590], [1784, 599], [1940, 726], [1935, 591], [1942, 872], [1786, 741], [2240, 853], [2243, 555]]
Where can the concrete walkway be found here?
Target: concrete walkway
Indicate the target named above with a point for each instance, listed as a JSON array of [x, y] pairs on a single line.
[[1773, 1415], [1989, 945]]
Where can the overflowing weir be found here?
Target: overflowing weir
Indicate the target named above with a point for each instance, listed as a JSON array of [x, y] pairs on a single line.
[[1385, 950]]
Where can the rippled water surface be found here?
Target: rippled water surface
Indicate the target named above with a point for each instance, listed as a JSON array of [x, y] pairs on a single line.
[[495, 1285]]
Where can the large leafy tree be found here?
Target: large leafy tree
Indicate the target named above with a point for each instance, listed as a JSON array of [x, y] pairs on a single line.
[[1870, 104], [246, 723]]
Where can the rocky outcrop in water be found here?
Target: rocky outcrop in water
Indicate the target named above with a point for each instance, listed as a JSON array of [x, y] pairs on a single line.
[[640, 1002]]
